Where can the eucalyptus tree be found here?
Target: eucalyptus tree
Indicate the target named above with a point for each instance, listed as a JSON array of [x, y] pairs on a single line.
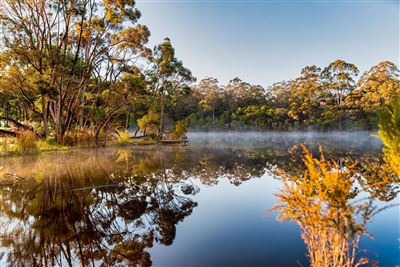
[[212, 95], [306, 96], [68, 45], [168, 78], [338, 80], [241, 93], [376, 89]]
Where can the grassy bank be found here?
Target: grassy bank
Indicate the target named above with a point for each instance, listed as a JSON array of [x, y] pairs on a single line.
[[27, 145]]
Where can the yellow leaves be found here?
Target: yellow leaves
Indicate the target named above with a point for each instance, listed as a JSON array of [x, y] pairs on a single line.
[[149, 122], [106, 93], [180, 130], [389, 132], [118, 3], [323, 193], [133, 38], [319, 202]]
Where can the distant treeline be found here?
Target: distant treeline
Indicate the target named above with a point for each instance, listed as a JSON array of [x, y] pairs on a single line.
[[333, 97], [78, 67]]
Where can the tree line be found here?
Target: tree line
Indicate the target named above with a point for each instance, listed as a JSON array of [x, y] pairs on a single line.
[[334, 97], [76, 66]]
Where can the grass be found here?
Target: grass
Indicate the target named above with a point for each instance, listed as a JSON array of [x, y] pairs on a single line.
[[27, 145]]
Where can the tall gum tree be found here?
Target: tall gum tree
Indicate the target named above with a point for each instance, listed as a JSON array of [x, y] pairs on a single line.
[[338, 81], [168, 79]]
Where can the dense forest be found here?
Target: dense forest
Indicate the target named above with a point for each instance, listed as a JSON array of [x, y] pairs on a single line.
[[84, 66]]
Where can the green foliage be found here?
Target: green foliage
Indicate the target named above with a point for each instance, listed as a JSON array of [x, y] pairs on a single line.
[[51, 140], [83, 69]]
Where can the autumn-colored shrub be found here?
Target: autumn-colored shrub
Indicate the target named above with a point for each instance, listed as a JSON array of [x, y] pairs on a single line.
[[123, 136], [321, 203], [26, 142], [389, 132], [180, 130]]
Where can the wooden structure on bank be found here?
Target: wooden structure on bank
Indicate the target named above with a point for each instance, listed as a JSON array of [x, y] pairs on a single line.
[[16, 126]]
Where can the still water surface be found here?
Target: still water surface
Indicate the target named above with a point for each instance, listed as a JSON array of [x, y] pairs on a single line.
[[195, 205]]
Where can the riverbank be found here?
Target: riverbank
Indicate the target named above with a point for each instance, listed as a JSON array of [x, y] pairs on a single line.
[[10, 146]]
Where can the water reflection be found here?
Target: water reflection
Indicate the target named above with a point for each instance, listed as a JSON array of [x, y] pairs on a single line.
[[109, 206]]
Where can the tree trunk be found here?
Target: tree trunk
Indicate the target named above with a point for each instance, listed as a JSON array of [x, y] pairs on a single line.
[[213, 115], [45, 117], [137, 130], [58, 120], [128, 115], [161, 130]]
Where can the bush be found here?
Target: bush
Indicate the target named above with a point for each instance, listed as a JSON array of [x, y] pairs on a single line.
[[389, 132], [26, 142], [51, 140], [5, 145], [79, 138], [322, 203], [123, 136], [180, 130]]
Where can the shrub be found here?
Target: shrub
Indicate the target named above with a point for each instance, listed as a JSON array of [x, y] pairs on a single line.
[[320, 203], [123, 136], [79, 138], [51, 140], [389, 132], [180, 130], [26, 142], [84, 138]]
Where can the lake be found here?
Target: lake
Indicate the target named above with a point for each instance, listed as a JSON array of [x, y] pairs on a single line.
[[195, 205]]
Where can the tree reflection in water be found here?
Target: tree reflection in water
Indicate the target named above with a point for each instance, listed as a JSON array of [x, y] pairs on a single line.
[[72, 216], [109, 206]]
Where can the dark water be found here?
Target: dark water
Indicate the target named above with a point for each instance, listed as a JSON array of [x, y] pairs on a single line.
[[196, 205]]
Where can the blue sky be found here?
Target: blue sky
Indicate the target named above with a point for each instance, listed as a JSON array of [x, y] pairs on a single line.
[[268, 41]]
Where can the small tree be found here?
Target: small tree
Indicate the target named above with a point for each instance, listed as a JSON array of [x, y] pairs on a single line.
[[149, 123], [168, 78]]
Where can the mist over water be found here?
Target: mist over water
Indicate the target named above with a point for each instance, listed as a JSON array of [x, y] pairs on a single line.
[[360, 140]]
